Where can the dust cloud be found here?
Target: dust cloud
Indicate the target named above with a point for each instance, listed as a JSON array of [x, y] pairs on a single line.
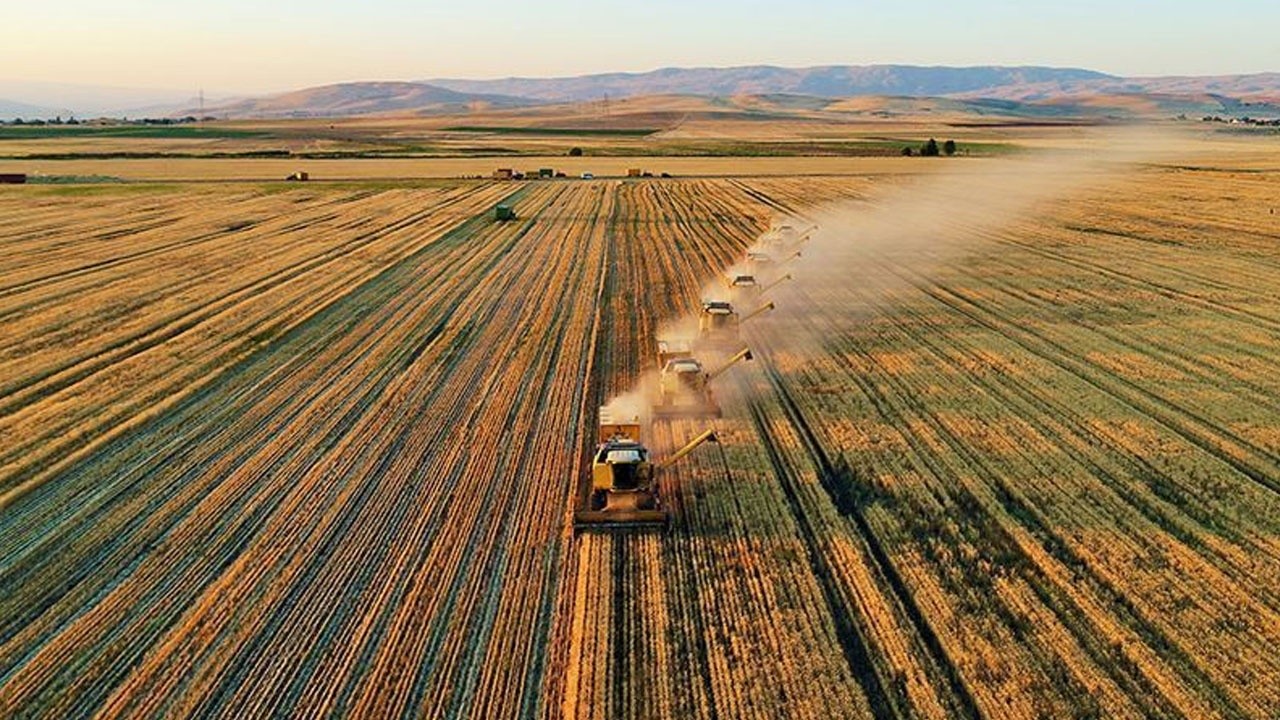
[[870, 253], [634, 403], [858, 256]]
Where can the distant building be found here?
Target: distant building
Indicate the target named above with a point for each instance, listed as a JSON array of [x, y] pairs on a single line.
[[503, 174]]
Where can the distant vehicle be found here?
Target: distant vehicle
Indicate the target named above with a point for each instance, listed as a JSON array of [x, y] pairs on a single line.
[[588, 176]]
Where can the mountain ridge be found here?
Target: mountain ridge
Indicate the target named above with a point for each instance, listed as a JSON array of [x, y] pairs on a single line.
[[359, 98], [819, 81], [1025, 85]]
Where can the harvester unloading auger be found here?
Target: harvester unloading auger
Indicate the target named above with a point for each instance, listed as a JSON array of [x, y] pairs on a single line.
[[775, 283], [624, 491], [684, 385]]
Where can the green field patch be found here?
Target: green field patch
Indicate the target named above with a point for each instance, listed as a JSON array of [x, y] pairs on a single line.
[[113, 186], [500, 130], [72, 179], [50, 132]]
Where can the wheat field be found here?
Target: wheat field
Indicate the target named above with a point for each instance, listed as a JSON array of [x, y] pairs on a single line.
[[312, 450]]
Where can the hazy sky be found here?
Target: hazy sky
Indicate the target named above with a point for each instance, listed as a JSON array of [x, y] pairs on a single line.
[[264, 45]]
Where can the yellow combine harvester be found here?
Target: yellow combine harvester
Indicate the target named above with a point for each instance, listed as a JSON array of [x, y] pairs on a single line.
[[762, 259], [744, 285], [684, 386], [624, 491], [747, 287], [718, 324], [785, 239]]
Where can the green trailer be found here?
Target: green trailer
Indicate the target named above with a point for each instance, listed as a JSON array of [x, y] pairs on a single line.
[[503, 213]]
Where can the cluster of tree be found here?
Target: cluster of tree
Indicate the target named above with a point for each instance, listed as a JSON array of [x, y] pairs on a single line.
[[931, 149], [109, 121], [56, 121], [1246, 120]]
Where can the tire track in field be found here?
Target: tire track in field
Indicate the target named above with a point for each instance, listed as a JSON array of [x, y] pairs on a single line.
[[1245, 457], [1171, 356], [1057, 419], [1221, 308], [854, 642], [835, 482]]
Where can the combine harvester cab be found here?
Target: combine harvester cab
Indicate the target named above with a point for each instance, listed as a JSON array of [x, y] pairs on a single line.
[[623, 493], [684, 387]]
